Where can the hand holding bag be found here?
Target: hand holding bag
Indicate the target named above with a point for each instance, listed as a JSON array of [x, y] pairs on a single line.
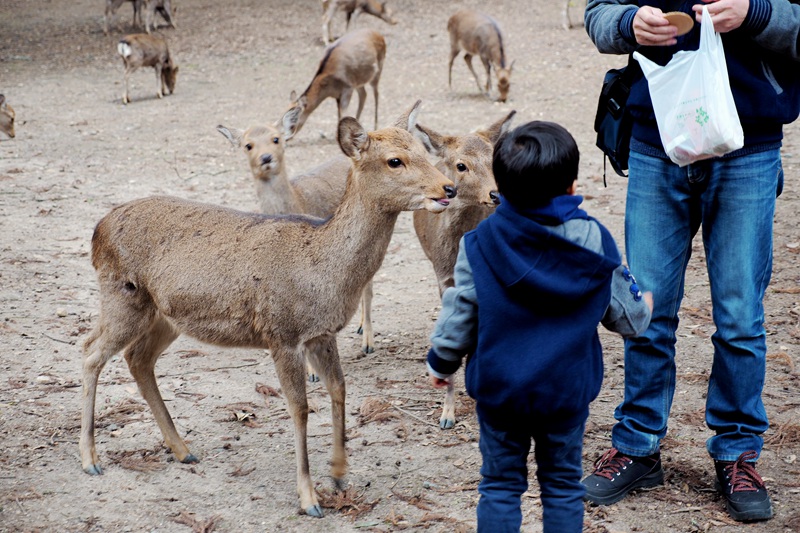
[[692, 100]]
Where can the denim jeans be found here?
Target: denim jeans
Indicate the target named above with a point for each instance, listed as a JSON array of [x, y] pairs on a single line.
[[505, 476], [733, 200]]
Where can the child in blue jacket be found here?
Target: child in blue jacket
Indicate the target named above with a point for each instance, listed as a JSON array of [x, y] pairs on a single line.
[[532, 283]]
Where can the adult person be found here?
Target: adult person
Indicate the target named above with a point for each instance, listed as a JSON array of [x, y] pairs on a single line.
[[733, 199]]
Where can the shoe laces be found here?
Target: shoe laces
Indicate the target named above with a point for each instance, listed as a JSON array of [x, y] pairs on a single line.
[[611, 463], [742, 475]]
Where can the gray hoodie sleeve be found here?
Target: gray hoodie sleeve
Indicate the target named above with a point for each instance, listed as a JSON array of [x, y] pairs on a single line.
[[456, 330]]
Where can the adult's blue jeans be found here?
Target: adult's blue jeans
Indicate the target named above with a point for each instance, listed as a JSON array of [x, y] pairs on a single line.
[[733, 200], [504, 476]]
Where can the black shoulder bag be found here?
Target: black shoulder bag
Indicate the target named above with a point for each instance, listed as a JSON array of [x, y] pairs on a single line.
[[612, 122]]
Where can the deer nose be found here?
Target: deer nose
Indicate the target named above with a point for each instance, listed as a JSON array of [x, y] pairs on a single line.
[[450, 191], [495, 196], [267, 158]]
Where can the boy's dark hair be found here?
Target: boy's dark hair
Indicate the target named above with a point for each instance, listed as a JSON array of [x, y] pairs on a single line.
[[534, 163]]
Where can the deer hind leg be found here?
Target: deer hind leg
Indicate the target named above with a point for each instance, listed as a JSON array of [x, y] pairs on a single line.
[[324, 353], [374, 84], [468, 61], [362, 99], [289, 365], [365, 326], [327, 17], [141, 357], [343, 101], [453, 54], [166, 12], [119, 324], [448, 418]]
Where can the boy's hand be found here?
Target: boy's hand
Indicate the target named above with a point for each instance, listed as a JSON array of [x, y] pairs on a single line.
[[439, 383], [648, 299]]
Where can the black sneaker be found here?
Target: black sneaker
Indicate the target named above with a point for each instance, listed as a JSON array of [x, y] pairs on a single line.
[[743, 488], [615, 475]]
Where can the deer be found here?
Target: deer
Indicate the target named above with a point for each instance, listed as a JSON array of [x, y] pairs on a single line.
[[479, 35], [162, 7], [316, 193], [167, 266], [349, 64], [113, 5], [352, 9], [7, 116], [467, 161], [144, 50]]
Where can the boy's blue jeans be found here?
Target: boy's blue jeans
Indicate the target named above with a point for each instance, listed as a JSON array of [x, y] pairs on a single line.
[[734, 202], [505, 476]]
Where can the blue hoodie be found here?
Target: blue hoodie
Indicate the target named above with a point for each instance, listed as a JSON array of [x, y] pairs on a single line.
[[539, 297]]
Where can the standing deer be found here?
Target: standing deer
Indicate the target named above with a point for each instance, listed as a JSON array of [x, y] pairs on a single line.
[[467, 160], [479, 34], [113, 5], [7, 116], [352, 9], [317, 193], [143, 50], [167, 266], [351, 62]]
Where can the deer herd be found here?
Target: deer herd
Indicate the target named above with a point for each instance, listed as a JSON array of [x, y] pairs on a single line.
[[288, 283]]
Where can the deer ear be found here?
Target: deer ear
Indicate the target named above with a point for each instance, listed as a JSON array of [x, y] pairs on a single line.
[[493, 132], [408, 120], [353, 138], [2, 100], [232, 134], [432, 141], [289, 120]]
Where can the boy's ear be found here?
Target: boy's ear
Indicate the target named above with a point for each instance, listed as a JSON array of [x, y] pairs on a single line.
[[572, 189]]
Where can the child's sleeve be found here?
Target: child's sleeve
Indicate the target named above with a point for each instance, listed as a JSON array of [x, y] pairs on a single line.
[[455, 333], [627, 314]]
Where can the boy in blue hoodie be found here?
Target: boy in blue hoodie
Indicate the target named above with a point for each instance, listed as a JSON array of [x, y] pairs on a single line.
[[532, 282]]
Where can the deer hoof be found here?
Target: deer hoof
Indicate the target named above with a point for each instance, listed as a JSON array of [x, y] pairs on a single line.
[[93, 470], [339, 483], [368, 349], [447, 423], [313, 378], [315, 511], [190, 460]]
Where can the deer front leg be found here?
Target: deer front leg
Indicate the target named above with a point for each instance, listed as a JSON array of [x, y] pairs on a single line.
[[453, 54], [93, 364], [487, 66], [291, 374], [448, 418], [365, 327], [343, 101], [324, 353], [468, 60], [159, 82], [125, 98]]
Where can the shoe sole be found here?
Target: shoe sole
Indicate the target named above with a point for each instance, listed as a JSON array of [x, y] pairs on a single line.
[[654, 479]]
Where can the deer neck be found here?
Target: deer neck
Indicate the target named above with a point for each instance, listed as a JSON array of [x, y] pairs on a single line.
[[278, 197]]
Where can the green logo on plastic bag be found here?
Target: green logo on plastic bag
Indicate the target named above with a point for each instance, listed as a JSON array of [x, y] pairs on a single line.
[[701, 117]]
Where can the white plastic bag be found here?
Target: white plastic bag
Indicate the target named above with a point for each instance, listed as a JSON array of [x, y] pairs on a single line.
[[692, 100]]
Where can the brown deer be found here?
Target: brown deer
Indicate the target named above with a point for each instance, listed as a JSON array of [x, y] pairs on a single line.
[[479, 35], [467, 160], [113, 5], [7, 116], [167, 266], [143, 50], [317, 192], [349, 64], [352, 9]]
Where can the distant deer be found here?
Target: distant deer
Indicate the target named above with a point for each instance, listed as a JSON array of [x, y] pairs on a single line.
[[467, 160], [7, 116], [352, 9], [163, 8], [167, 266], [113, 5], [143, 50], [317, 192], [479, 35], [349, 64]]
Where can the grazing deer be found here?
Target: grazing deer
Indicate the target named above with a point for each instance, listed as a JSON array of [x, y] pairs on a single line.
[[352, 9], [351, 62], [479, 34], [7, 116], [467, 161], [167, 266], [163, 8], [317, 192], [113, 5], [143, 50]]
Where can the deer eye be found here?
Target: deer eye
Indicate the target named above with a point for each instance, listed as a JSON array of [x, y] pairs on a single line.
[[276, 140], [461, 167], [248, 146], [394, 162]]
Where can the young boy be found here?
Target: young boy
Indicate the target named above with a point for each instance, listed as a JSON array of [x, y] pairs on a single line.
[[532, 282]]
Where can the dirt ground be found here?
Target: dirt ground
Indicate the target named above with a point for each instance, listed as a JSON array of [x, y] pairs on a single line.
[[79, 152]]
